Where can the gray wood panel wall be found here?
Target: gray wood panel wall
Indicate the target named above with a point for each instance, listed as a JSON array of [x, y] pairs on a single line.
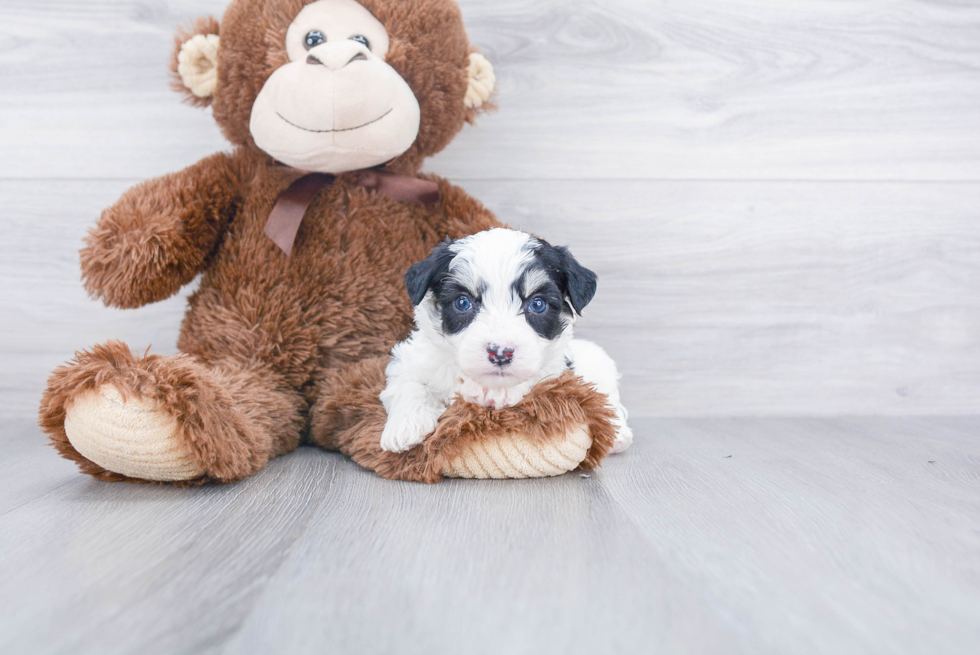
[[781, 199]]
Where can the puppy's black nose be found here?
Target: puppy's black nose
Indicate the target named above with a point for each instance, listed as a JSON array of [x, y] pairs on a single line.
[[499, 356]]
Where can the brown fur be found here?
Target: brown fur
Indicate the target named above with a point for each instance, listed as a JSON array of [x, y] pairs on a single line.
[[161, 233], [428, 47], [271, 343], [351, 420], [231, 418]]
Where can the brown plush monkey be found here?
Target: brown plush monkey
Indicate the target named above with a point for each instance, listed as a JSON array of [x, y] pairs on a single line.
[[301, 297]]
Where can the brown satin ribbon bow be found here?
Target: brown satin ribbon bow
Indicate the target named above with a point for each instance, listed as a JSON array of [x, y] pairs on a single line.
[[287, 215]]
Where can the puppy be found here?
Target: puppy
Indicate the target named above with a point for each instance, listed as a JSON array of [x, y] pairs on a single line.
[[494, 315]]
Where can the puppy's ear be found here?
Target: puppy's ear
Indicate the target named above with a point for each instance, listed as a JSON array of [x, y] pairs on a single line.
[[580, 282], [429, 272]]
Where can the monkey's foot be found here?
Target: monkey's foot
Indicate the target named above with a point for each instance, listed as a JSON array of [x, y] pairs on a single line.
[[134, 437], [151, 418], [516, 455]]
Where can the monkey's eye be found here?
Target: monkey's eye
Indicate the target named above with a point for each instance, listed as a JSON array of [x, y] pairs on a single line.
[[362, 40], [313, 39], [538, 305], [463, 304]]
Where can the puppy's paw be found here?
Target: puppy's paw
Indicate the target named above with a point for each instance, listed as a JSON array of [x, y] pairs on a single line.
[[473, 392], [624, 436], [510, 396], [405, 430], [493, 397]]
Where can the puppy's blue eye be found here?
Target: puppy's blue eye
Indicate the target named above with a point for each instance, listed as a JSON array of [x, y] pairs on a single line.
[[463, 304], [362, 40], [313, 39], [538, 305]]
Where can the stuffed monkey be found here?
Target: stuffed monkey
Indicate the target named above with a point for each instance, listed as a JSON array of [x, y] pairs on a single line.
[[301, 235]]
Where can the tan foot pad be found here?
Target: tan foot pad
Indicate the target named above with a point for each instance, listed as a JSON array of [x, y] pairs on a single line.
[[132, 437], [514, 456]]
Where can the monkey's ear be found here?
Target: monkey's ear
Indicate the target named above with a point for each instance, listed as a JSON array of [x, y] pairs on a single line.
[[195, 61], [482, 81]]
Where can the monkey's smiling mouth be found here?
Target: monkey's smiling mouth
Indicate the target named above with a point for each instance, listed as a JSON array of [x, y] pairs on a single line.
[[345, 129]]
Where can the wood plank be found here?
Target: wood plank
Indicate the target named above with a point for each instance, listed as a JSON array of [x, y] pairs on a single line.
[[715, 298], [708, 536], [822, 536], [589, 89], [736, 299], [94, 567], [537, 566]]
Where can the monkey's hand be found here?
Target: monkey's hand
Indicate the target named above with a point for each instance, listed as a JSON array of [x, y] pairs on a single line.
[[159, 235]]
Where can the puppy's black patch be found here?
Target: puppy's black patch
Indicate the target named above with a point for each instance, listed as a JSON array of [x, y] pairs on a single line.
[[429, 273], [432, 274], [574, 280], [553, 321], [455, 320], [567, 279]]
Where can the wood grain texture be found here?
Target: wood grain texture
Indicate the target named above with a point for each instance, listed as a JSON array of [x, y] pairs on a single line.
[[709, 536], [861, 529], [589, 89], [782, 201], [735, 299], [725, 299], [797, 293]]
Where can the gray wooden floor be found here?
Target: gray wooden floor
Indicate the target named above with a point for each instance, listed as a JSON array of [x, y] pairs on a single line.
[[782, 201], [710, 536]]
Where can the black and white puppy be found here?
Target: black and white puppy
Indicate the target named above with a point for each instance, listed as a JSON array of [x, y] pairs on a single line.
[[494, 314]]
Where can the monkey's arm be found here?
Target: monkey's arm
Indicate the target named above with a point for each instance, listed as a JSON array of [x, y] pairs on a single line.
[[160, 234]]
